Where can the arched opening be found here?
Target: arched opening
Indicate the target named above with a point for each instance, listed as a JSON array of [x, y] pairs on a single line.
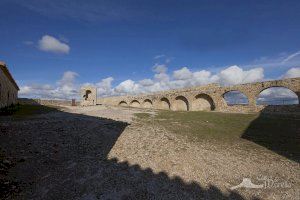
[[181, 104], [203, 102], [87, 94], [277, 96], [135, 104], [165, 104], [235, 97], [147, 103], [123, 103]]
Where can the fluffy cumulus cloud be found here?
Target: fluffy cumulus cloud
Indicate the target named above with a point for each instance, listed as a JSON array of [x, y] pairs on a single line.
[[236, 75], [292, 73], [65, 88], [184, 77], [160, 68], [146, 82], [104, 87], [51, 44], [127, 87], [182, 74]]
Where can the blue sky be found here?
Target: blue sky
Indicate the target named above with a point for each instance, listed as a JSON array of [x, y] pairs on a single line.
[[61, 45]]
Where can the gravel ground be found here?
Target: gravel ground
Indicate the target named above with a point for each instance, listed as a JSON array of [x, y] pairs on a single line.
[[104, 153]]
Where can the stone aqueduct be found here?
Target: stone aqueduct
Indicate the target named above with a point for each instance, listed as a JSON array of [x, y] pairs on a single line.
[[209, 97]]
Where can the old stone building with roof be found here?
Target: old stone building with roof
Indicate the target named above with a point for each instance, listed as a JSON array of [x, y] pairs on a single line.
[[8, 87]]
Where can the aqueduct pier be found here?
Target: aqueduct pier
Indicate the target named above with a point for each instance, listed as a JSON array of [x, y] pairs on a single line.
[[208, 97]]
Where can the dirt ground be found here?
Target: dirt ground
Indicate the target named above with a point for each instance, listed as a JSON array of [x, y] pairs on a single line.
[[105, 153]]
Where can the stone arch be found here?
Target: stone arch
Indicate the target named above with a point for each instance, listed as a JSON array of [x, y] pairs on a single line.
[[181, 104], [147, 103], [235, 97], [277, 95], [123, 103], [135, 103], [164, 104], [203, 102]]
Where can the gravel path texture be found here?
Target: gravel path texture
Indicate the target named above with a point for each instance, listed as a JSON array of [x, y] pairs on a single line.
[[103, 152]]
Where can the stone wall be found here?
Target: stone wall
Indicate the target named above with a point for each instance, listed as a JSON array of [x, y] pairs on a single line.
[[209, 97], [25, 101], [8, 88]]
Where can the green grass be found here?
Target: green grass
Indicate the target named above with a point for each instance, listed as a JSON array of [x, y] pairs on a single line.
[[279, 133], [208, 125]]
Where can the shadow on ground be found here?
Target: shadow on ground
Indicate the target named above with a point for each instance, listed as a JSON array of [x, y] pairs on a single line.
[[277, 131], [60, 155]]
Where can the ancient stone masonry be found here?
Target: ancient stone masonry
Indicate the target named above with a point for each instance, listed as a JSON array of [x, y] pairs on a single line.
[[209, 97], [8, 87], [46, 102], [88, 96]]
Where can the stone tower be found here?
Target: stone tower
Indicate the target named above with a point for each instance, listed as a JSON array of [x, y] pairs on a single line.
[[88, 95]]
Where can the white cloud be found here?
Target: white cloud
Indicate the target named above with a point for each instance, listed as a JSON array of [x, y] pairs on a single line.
[[290, 57], [236, 75], [292, 73], [282, 60], [51, 44], [160, 68], [127, 87], [162, 77], [65, 88], [182, 74], [146, 82], [203, 77], [159, 56], [104, 87], [184, 77]]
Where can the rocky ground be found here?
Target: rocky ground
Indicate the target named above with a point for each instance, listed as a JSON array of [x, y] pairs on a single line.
[[105, 153]]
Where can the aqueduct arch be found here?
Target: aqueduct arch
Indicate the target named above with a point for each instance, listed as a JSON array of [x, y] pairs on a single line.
[[147, 103], [203, 102], [164, 104], [123, 103], [277, 96], [135, 103], [181, 104], [208, 97]]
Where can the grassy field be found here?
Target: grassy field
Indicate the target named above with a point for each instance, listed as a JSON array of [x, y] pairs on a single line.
[[280, 133], [208, 125]]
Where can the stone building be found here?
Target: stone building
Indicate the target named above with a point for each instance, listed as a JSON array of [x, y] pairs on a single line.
[[8, 87], [88, 96]]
